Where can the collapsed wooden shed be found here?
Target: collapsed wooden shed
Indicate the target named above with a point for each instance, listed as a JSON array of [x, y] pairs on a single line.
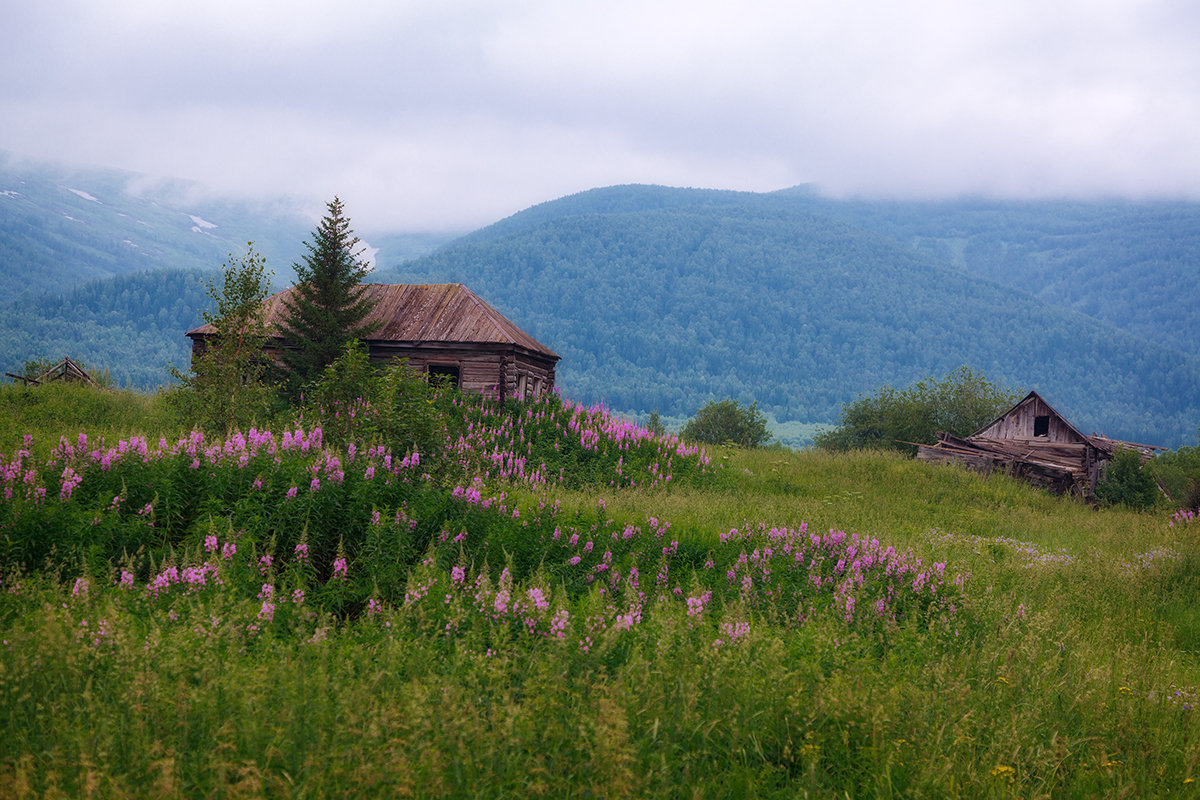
[[442, 329], [66, 370], [1036, 443]]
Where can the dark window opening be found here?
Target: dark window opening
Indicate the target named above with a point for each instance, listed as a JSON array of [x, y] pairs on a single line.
[[443, 373], [1041, 426]]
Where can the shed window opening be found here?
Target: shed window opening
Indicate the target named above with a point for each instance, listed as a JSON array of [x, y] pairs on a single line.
[[1041, 426], [443, 373]]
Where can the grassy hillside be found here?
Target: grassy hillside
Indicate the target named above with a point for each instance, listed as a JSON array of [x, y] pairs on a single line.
[[765, 623]]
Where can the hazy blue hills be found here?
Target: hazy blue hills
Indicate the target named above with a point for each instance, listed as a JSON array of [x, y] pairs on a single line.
[[1135, 265], [660, 299]]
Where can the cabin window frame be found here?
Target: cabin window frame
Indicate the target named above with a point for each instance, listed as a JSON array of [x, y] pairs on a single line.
[[1041, 425], [450, 370]]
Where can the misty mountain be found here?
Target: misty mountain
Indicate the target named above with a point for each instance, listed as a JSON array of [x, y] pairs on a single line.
[[660, 299], [63, 226]]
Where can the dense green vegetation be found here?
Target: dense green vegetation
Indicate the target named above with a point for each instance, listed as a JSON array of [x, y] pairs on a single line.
[[960, 404], [724, 422], [556, 603], [133, 325]]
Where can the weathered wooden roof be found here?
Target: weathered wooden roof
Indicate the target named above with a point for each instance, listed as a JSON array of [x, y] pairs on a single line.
[[421, 314]]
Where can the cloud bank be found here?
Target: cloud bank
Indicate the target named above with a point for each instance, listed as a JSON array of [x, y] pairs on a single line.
[[452, 114]]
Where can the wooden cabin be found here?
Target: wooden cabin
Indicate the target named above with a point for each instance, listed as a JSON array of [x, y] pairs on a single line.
[[1033, 441], [443, 329]]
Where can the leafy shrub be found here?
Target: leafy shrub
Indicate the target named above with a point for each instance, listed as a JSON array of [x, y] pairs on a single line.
[[1179, 473], [727, 422], [960, 403], [226, 389], [393, 405], [1125, 482]]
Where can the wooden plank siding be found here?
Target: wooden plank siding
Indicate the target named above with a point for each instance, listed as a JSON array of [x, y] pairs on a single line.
[[439, 329]]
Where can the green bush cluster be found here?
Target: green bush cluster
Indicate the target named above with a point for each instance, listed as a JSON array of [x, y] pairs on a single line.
[[727, 422], [960, 403], [1125, 482]]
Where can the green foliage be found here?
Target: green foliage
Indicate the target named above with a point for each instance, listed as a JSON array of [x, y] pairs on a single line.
[[1179, 473], [960, 403], [655, 425], [392, 405], [133, 324], [1126, 483], [226, 388], [45, 413], [416, 624], [727, 422], [328, 307]]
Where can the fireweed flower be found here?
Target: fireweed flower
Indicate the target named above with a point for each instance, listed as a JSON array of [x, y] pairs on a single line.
[[339, 567]]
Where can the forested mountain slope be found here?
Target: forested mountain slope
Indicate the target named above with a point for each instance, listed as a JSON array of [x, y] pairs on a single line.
[[1135, 265], [663, 308], [1132, 264], [133, 325], [660, 298]]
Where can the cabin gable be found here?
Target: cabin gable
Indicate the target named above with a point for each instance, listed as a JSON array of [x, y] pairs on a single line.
[[1031, 418]]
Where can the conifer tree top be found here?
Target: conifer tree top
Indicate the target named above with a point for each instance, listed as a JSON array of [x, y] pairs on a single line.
[[328, 308]]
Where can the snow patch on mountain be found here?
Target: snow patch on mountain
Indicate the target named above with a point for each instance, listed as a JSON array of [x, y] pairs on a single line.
[[83, 194]]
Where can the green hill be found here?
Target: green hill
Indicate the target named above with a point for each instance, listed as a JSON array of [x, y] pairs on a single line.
[[695, 295]]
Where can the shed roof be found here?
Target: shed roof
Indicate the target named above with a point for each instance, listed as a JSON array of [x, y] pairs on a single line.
[[422, 313]]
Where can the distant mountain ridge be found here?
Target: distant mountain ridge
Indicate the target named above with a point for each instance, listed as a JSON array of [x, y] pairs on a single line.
[[660, 298]]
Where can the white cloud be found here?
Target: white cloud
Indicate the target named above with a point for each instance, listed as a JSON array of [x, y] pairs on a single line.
[[451, 114]]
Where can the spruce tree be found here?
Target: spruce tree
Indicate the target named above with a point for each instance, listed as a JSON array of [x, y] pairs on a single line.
[[329, 305]]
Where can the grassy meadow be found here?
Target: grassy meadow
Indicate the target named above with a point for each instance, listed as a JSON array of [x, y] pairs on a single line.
[[552, 602]]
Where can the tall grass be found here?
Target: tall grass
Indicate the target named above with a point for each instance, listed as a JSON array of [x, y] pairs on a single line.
[[549, 615]]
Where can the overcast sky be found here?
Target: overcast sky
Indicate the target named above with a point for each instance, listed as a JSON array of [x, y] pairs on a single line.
[[451, 114]]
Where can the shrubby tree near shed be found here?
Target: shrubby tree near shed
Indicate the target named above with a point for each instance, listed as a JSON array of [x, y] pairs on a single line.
[[727, 422]]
